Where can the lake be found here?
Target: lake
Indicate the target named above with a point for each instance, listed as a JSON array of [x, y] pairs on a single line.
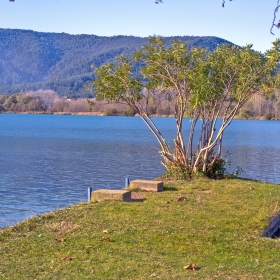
[[48, 161]]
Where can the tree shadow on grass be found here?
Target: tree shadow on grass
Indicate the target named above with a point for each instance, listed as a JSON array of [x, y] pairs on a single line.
[[137, 196], [169, 188]]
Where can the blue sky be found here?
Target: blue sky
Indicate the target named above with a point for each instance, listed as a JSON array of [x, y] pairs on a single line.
[[241, 21]]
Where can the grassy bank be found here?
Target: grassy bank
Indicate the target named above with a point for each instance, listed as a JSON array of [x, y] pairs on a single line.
[[216, 225]]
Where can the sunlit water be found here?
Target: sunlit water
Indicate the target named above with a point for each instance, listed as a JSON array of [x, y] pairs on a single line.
[[48, 161]]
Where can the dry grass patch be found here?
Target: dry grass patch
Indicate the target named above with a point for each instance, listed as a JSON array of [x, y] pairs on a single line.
[[62, 227]]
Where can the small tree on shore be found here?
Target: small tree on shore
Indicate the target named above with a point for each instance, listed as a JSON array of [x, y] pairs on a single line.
[[220, 86], [203, 86]]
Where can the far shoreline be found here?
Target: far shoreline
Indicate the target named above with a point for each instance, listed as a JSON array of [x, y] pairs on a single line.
[[100, 114]]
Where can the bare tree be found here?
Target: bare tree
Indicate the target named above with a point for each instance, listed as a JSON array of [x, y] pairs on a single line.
[[47, 97]]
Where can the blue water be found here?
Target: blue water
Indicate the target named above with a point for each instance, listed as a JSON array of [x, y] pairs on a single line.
[[48, 161]]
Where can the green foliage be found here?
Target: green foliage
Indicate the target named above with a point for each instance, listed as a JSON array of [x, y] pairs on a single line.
[[218, 169], [128, 113], [268, 116], [245, 113], [111, 112], [115, 112], [117, 83], [177, 172], [90, 104], [21, 102]]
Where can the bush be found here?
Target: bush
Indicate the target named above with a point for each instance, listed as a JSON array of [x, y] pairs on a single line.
[[128, 112], [217, 170], [268, 116], [245, 113], [111, 112], [176, 172]]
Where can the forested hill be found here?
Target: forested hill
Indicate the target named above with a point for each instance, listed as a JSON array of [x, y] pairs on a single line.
[[32, 60]]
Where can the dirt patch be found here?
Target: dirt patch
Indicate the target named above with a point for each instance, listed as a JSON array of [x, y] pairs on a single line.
[[62, 227]]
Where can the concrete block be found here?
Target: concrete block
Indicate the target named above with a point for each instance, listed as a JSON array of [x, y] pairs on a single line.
[[154, 186], [119, 195]]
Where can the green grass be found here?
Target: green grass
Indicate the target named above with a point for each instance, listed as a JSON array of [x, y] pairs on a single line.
[[218, 227]]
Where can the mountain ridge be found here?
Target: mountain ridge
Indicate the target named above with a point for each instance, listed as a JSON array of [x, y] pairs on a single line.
[[32, 60]]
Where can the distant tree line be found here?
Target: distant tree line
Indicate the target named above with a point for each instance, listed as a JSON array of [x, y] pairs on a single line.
[[262, 107], [48, 101], [41, 101]]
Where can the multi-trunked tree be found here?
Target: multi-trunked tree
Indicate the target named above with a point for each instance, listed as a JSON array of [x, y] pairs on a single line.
[[202, 86]]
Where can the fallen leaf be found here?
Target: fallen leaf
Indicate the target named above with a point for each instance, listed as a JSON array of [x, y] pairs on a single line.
[[167, 202], [191, 266], [182, 198], [105, 239], [88, 247], [105, 231], [61, 239], [67, 258]]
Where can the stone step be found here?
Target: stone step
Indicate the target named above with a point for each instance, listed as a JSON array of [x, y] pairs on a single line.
[[104, 194], [147, 185]]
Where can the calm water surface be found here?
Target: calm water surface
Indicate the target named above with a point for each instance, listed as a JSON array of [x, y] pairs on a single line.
[[48, 161]]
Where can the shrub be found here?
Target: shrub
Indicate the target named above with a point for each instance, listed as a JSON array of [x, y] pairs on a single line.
[[268, 116], [111, 112]]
